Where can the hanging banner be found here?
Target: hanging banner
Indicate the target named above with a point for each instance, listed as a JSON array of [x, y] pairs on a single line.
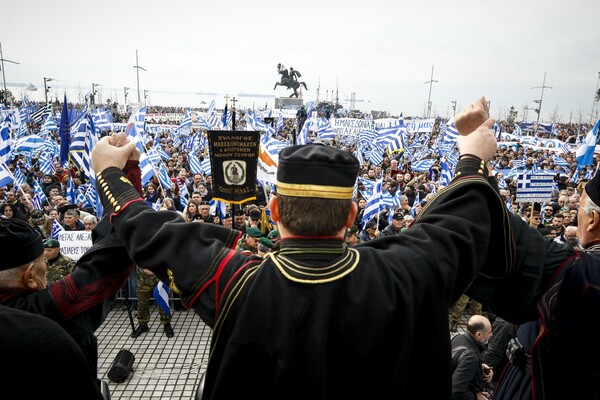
[[233, 161]]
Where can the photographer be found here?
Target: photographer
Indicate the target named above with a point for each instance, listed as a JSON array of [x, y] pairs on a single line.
[[469, 375]]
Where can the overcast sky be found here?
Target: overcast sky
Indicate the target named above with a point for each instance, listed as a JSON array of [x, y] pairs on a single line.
[[382, 51]]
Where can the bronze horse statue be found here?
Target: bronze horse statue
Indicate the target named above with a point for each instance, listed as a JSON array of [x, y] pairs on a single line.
[[289, 79]]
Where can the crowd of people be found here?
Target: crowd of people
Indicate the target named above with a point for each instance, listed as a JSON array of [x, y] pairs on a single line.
[[468, 242]]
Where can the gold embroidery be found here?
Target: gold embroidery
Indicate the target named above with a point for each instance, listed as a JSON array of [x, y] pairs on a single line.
[[125, 180], [319, 191], [171, 279]]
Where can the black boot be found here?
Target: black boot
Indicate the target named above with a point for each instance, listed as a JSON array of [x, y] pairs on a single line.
[[169, 330], [139, 330]]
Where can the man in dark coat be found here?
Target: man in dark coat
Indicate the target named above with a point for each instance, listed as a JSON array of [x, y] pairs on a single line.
[[469, 374], [80, 301], [319, 319], [550, 358], [395, 226], [37, 356]]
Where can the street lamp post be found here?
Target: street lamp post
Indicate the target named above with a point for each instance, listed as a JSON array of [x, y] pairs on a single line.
[[46, 87], [596, 99], [539, 109], [125, 90], [145, 96], [94, 91], [429, 99], [453, 108], [137, 67], [2, 59]]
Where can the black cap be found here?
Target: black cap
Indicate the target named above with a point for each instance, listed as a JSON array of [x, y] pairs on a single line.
[[592, 188], [318, 171], [398, 216], [20, 242], [352, 230]]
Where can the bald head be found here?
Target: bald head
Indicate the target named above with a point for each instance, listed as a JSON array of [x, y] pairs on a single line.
[[480, 328]]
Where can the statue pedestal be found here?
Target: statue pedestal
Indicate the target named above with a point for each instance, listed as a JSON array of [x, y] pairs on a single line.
[[288, 102]]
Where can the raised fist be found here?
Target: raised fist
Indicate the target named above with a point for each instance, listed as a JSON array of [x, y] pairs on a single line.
[[472, 117]]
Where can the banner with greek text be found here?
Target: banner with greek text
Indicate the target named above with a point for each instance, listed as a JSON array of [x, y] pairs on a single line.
[[233, 160], [75, 243], [350, 126]]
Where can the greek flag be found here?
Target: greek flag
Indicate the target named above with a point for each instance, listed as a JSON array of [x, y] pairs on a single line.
[[135, 125], [6, 177], [195, 165], [518, 131], [203, 123], [423, 165], [559, 161], [218, 207], [102, 119], [187, 120], [39, 193], [205, 165], [585, 152], [146, 167], [451, 133], [46, 164], [57, 229], [28, 144], [161, 295], [446, 176], [183, 194], [19, 177], [259, 125], [5, 141], [324, 129], [280, 122], [374, 203], [71, 194], [50, 124], [163, 176], [303, 136]]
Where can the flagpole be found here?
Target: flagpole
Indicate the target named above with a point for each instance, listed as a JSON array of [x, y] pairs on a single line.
[[233, 100]]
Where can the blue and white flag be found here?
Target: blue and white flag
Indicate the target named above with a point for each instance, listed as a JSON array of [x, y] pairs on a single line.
[[6, 177], [374, 203], [324, 129], [195, 165], [423, 165], [187, 120], [163, 176], [585, 152], [161, 295], [57, 229], [5, 140], [50, 124], [28, 144], [19, 177], [446, 176], [206, 168], [280, 122]]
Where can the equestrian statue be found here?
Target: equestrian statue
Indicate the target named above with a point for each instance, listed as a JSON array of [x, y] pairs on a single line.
[[289, 79]]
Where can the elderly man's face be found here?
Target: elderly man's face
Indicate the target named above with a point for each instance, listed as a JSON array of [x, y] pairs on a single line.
[[51, 253]]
